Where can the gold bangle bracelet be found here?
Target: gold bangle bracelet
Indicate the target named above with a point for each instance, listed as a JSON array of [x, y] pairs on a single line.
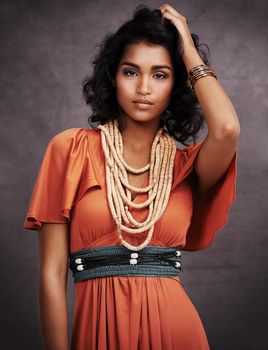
[[200, 70], [198, 67], [200, 74], [192, 82]]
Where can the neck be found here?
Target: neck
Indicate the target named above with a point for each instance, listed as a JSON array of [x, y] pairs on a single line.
[[136, 135]]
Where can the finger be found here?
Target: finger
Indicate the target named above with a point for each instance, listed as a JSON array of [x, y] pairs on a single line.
[[170, 17], [170, 9], [163, 5], [180, 17]]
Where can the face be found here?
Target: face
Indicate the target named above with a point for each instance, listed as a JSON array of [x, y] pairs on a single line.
[[144, 73]]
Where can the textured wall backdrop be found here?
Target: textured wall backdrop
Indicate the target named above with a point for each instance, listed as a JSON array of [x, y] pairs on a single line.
[[46, 48]]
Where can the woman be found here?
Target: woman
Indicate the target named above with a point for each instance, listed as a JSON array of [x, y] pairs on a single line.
[[90, 199]]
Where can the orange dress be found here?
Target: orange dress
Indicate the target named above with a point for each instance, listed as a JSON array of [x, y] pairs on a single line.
[[127, 312]]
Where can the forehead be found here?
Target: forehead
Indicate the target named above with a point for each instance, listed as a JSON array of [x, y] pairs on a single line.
[[146, 55]]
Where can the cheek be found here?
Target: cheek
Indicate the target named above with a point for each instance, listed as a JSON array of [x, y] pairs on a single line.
[[123, 95], [124, 87], [164, 92]]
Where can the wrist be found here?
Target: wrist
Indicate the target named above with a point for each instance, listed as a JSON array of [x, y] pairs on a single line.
[[191, 57]]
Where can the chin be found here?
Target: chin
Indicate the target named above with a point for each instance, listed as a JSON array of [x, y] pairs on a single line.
[[142, 118], [141, 115]]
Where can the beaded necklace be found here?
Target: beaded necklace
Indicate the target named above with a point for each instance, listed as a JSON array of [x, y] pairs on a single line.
[[161, 165]]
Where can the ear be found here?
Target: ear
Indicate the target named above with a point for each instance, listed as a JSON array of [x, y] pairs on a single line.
[[114, 84]]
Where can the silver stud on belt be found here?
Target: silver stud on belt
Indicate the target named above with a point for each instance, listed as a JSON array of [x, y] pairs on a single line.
[[134, 256], [133, 259], [79, 267], [177, 253]]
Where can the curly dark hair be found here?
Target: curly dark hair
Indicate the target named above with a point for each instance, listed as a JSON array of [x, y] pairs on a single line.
[[185, 117]]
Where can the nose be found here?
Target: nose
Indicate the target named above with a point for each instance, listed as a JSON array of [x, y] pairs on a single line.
[[144, 85]]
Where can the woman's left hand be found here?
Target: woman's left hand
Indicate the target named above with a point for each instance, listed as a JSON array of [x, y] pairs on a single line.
[[180, 22]]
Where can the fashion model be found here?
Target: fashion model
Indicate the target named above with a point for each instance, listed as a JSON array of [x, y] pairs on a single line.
[[118, 203]]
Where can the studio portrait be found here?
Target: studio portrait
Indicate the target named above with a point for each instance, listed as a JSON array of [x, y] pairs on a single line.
[[134, 170]]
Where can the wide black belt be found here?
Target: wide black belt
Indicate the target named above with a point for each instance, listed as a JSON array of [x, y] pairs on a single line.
[[120, 261]]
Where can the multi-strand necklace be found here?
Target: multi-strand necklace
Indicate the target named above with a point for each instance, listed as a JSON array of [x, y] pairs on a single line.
[[161, 165]]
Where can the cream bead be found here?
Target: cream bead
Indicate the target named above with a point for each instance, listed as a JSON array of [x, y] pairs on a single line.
[[161, 165]]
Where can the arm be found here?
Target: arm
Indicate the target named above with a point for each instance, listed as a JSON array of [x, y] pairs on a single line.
[[53, 250], [220, 144]]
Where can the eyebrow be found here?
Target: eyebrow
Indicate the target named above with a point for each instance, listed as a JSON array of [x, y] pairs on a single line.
[[137, 66]]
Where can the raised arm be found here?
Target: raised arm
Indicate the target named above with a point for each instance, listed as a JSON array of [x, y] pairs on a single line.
[[53, 309], [221, 141], [220, 145]]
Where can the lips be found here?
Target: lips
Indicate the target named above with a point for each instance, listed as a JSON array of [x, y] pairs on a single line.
[[145, 102], [143, 106]]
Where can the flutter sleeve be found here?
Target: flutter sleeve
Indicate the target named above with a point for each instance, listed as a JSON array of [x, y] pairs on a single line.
[[57, 187], [210, 210]]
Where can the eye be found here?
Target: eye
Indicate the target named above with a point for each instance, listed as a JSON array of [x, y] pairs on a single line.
[[128, 71], [163, 76]]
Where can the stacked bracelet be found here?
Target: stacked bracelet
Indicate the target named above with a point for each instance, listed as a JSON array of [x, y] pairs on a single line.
[[198, 72]]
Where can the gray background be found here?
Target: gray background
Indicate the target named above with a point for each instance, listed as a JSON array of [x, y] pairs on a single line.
[[46, 48]]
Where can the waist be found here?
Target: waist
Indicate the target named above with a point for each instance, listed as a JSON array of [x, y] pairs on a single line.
[[117, 260]]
